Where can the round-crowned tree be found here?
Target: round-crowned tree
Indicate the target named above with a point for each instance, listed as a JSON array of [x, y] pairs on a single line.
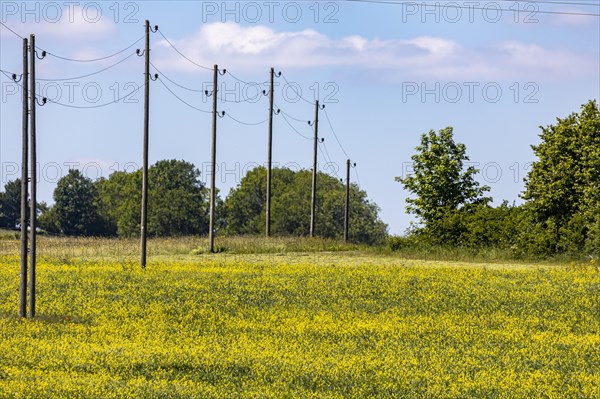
[[76, 207], [441, 183]]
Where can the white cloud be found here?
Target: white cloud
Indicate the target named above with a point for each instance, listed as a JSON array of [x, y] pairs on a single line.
[[258, 47]]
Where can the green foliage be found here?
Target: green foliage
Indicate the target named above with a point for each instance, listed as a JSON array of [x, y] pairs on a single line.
[[474, 228], [48, 220], [10, 208], [177, 200], [244, 208], [560, 218], [119, 201], [76, 207], [563, 186], [10, 204], [442, 185]]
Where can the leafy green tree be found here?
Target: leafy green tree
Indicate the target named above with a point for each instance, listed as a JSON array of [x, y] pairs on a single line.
[[119, 201], [76, 207], [177, 200], [441, 183], [48, 220], [10, 204], [244, 207], [563, 186]]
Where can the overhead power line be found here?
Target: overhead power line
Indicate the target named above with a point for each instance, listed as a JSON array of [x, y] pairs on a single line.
[[183, 55], [175, 83], [89, 74], [180, 99], [455, 5], [14, 33], [329, 159], [139, 86], [245, 123], [74, 59], [592, 3], [243, 81], [296, 91], [9, 75], [293, 128], [335, 135], [292, 117], [95, 59], [40, 97]]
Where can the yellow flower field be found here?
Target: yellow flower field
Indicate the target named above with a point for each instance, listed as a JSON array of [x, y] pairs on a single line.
[[293, 328]]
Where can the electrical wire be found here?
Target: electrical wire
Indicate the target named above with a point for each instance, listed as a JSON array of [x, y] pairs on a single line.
[[89, 74], [14, 33], [437, 5], [335, 135], [8, 74], [73, 59], [590, 3], [296, 91], [293, 128], [181, 54], [95, 59], [290, 116], [175, 83], [182, 100], [139, 86], [330, 160], [245, 123], [568, 3], [248, 99], [245, 82], [99, 105], [225, 100]]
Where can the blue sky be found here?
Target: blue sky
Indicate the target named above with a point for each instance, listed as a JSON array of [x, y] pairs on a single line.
[[386, 73]]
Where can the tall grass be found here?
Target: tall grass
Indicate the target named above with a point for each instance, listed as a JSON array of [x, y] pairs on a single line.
[[72, 249], [78, 248]]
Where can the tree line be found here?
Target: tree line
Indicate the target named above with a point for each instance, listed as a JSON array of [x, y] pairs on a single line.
[[560, 213], [179, 205], [561, 209]]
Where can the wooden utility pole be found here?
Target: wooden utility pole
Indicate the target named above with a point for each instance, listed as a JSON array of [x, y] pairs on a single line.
[[144, 217], [313, 203], [24, 178], [33, 166], [347, 207], [269, 157], [213, 161]]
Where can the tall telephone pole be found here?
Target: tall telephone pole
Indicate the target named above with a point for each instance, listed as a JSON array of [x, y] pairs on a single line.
[[269, 158], [313, 203], [147, 77], [213, 162], [33, 166], [24, 177], [28, 145]]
